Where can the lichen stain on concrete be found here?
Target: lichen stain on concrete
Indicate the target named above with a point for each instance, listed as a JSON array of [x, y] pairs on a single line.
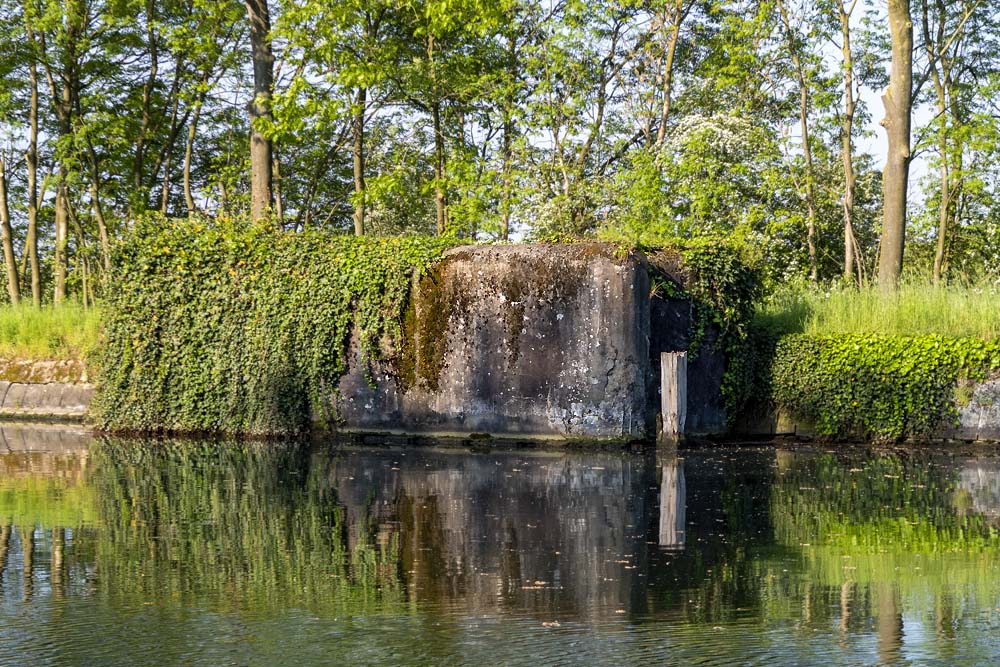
[[539, 339]]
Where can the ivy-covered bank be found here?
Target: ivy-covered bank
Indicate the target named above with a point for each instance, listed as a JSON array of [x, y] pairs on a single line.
[[874, 386], [226, 326], [221, 326]]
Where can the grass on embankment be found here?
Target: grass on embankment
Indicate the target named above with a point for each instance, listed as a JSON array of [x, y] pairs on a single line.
[[66, 332], [914, 310]]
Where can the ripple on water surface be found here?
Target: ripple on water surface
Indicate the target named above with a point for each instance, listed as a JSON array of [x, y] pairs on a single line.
[[122, 552]]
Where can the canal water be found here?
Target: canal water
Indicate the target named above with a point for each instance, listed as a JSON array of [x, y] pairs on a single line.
[[132, 552]]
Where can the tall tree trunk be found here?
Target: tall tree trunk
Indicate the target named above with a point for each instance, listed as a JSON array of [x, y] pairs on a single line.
[[64, 97], [358, 153], [810, 195], [279, 204], [31, 157], [508, 190], [810, 181], [260, 108], [62, 235], [81, 257], [440, 199], [168, 148], [846, 139], [509, 103], [9, 260], [138, 162], [940, 96], [897, 101], [189, 149], [944, 207], [672, 36], [98, 209], [939, 46]]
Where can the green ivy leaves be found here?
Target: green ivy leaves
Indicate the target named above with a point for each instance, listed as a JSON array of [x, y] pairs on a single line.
[[885, 387], [224, 326]]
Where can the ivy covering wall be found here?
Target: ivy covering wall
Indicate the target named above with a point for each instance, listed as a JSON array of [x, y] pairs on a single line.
[[876, 386], [722, 280], [224, 326], [231, 327]]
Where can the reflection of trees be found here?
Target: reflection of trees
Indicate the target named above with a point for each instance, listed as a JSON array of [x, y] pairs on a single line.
[[42, 489], [886, 532], [45, 489], [848, 544], [227, 525], [874, 503], [239, 526]]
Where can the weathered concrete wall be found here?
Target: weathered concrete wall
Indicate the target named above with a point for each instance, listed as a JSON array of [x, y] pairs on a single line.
[[539, 340], [43, 371], [44, 389], [980, 418], [49, 400]]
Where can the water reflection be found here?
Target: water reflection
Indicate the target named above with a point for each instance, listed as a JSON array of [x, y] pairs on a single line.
[[123, 552], [673, 501]]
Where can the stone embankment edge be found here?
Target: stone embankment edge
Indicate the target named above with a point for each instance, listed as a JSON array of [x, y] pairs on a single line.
[[65, 402], [45, 401]]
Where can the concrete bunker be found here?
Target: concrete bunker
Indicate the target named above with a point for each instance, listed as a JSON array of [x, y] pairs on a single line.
[[532, 340]]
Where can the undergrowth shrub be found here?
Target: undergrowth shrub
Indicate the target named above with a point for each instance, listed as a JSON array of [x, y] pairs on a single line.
[[874, 385], [228, 326]]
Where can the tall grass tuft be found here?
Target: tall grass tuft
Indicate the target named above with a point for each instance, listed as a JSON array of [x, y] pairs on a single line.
[[913, 310], [66, 332]]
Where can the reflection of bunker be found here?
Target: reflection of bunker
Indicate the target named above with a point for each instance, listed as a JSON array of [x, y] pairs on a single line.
[[978, 489], [581, 535], [535, 340], [540, 529]]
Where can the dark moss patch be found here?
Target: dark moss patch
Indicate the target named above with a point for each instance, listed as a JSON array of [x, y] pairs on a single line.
[[425, 332]]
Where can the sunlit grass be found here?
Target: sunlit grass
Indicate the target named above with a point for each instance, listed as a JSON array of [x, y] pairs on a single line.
[[66, 332], [913, 310]]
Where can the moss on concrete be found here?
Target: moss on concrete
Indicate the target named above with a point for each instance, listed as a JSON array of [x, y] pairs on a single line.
[[425, 329], [41, 371]]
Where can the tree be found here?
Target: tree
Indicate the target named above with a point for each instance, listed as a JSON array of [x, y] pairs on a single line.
[[444, 73], [579, 68], [898, 102], [943, 29], [63, 38], [261, 148], [347, 53], [795, 45], [9, 261], [851, 247]]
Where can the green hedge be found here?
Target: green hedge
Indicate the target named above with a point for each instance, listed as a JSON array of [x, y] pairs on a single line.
[[225, 326], [880, 386]]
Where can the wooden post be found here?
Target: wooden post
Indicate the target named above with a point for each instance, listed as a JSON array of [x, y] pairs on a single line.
[[673, 395]]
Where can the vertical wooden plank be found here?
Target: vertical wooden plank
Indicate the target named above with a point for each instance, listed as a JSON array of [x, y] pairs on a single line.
[[673, 394]]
